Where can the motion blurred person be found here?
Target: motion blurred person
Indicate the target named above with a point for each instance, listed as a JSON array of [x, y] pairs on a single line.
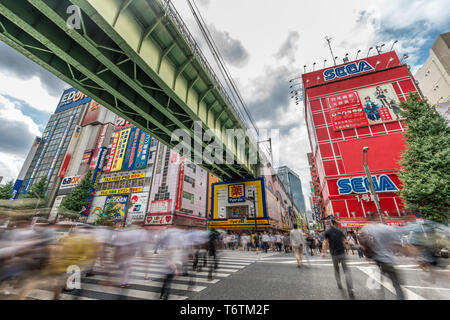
[[378, 242], [335, 238], [212, 252], [297, 242]]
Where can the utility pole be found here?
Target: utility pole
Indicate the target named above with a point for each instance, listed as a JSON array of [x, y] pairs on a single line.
[[370, 181], [328, 39]]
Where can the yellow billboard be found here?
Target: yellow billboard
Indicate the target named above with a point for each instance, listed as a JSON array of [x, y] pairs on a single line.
[[227, 196], [120, 151], [124, 177], [120, 191], [239, 222]]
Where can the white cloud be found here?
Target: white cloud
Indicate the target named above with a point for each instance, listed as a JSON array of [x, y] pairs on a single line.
[[30, 90], [17, 134]]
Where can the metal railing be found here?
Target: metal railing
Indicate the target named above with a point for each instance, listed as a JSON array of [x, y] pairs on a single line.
[[173, 15]]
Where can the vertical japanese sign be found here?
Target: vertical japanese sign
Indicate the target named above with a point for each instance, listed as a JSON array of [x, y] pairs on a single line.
[[142, 151], [180, 185], [98, 145], [120, 152], [112, 152], [58, 149], [130, 152], [38, 162], [95, 178], [70, 149]]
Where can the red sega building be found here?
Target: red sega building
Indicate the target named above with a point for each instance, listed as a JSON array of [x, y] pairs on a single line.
[[348, 107]]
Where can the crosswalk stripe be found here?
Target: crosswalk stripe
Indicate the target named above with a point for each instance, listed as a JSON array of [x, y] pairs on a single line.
[[148, 295], [41, 294], [216, 274], [156, 284]]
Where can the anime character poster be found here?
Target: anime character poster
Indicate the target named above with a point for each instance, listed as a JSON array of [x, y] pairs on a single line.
[[380, 103]]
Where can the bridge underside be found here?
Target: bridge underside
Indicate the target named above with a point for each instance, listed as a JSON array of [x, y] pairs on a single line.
[[130, 56]]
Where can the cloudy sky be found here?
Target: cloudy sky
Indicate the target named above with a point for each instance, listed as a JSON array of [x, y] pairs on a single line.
[[265, 43]]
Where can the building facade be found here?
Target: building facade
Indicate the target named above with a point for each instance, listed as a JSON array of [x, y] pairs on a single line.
[[293, 185], [434, 76], [60, 129], [349, 107]]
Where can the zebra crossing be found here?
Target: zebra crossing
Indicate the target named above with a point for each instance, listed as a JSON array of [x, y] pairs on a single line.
[[104, 286]]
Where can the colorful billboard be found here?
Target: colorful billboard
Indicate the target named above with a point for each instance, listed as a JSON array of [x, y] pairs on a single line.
[[236, 193], [119, 204], [96, 209], [160, 206], [70, 149], [120, 152], [98, 145], [180, 182], [71, 182], [95, 178], [71, 98], [221, 207], [360, 108], [112, 152], [159, 220], [142, 151], [128, 160], [138, 206]]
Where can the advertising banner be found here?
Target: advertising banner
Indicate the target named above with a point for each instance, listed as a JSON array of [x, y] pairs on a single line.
[[180, 185], [70, 182], [120, 152], [58, 149], [236, 193], [112, 152], [120, 191], [119, 204], [70, 149], [71, 98], [380, 103], [96, 209], [98, 145], [38, 162], [364, 107], [128, 160], [95, 178], [142, 151], [124, 177], [87, 155], [138, 206], [16, 188], [159, 219]]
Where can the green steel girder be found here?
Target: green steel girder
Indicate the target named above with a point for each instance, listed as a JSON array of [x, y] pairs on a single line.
[[88, 6], [68, 76], [79, 40], [105, 75]]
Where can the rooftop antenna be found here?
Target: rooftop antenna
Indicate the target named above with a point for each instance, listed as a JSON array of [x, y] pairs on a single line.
[[328, 39]]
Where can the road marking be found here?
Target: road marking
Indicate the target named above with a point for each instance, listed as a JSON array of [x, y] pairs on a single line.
[[375, 275], [430, 288]]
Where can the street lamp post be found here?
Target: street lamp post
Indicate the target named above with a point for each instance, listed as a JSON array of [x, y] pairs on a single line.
[[370, 181]]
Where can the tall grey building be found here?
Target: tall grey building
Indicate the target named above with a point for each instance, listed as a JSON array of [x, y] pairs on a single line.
[[293, 185]]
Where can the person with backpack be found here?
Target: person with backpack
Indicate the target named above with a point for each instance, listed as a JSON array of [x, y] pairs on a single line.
[[335, 239], [378, 242]]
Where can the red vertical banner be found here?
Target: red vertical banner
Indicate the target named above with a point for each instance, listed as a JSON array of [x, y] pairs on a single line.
[[112, 152], [63, 170], [180, 185]]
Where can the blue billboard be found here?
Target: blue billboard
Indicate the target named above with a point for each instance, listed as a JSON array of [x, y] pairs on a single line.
[[142, 151], [71, 98], [130, 152]]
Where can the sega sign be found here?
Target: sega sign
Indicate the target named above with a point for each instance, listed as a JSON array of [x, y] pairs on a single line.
[[71, 98], [360, 185], [347, 70]]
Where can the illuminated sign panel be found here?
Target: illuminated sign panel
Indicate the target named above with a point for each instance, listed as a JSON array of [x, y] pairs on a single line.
[[71, 98], [347, 70], [361, 185], [236, 193]]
